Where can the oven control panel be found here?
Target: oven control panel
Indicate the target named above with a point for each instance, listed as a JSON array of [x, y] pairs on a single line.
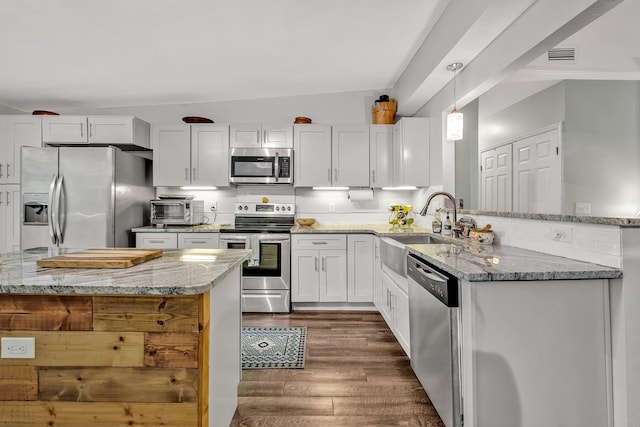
[[265, 209]]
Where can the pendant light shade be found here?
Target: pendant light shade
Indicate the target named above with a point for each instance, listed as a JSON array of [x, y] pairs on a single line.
[[455, 120]]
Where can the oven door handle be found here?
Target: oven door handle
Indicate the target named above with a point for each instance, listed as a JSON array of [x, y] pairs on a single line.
[[277, 166]]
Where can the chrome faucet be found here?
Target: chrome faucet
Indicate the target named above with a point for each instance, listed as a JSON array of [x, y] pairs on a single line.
[[423, 212]]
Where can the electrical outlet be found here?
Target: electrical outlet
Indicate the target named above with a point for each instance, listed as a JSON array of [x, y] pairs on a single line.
[[583, 208], [18, 348], [214, 206], [332, 207], [561, 233]]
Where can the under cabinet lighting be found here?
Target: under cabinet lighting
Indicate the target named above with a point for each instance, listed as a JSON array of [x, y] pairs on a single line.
[[330, 188], [198, 188], [405, 187]]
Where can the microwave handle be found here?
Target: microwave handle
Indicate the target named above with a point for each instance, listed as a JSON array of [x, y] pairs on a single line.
[[277, 167]]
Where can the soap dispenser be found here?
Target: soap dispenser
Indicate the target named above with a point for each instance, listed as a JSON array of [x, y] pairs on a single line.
[[436, 225]]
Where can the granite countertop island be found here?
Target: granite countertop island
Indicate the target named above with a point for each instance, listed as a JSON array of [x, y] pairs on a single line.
[[177, 272], [157, 341]]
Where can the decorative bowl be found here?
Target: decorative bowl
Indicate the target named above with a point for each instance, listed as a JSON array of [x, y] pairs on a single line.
[[482, 237], [306, 221], [194, 119]]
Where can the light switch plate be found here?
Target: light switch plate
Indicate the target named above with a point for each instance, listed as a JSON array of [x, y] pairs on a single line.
[[18, 348]]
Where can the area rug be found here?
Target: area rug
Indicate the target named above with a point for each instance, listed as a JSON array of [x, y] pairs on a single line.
[[273, 348]]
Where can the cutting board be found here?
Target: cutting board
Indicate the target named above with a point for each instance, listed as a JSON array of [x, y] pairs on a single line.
[[100, 258]]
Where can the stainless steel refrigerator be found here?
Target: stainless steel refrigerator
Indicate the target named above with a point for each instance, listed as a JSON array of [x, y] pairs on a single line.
[[82, 197]]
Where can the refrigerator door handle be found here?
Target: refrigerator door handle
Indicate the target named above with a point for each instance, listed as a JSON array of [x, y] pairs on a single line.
[[59, 213], [51, 216]]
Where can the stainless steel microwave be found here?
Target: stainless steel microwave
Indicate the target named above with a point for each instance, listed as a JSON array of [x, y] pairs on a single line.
[[261, 166], [177, 212]]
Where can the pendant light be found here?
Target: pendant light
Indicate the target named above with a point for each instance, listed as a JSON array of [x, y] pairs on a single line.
[[454, 118]]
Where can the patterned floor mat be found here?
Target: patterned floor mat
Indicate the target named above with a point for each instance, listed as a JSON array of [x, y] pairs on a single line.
[[273, 348]]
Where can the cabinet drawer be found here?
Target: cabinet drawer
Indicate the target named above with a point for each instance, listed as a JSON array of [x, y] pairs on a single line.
[[198, 240], [319, 241], [157, 240]]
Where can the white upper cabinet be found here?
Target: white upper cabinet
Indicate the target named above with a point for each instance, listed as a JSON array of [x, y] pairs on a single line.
[[196, 155], [411, 151], [261, 136], [16, 132], [326, 156], [350, 155], [312, 155], [381, 155], [10, 218], [116, 130]]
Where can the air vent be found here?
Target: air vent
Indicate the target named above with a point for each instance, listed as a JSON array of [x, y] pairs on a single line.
[[562, 54]]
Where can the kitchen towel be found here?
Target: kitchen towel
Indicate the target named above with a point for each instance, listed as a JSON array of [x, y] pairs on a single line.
[[253, 244], [362, 195]]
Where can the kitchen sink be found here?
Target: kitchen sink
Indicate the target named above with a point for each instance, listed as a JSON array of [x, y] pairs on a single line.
[[393, 251]]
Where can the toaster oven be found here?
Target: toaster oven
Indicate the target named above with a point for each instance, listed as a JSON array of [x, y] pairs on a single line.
[[177, 212]]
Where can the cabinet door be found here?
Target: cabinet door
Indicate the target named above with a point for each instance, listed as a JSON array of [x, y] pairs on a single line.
[[496, 179], [210, 155], [245, 135], [305, 274], [400, 306], [377, 275], [171, 156], [13, 217], [385, 304], [537, 185], [312, 158], [157, 240], [411, 151], [110, 130], [277, 136], [67, 129], [22, 131], [333, 275], [360, 255], [350, 155], [381, 155], [198, 240]]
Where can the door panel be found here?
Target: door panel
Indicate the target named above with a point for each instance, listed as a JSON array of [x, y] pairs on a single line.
[[333, 276], [305, 276]]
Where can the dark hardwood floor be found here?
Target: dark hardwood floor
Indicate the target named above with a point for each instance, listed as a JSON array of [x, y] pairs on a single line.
[[356, 374]]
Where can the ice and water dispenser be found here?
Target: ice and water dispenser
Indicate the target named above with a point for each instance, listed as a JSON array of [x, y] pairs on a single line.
[[35, 208]]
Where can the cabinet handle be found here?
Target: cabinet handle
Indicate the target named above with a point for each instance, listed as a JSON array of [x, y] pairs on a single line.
[[8, 175], [319, 243], [194, 176], [264, 136], [156, 241], [316, 262], [186, 174], [388, 295], [324, 264], [329, 175], [391, 302], [258, 136], [7, 198], [81, 129], [1, 198], [373, 175], [198, 242], [0, 170], [336, 171], [90, 130]]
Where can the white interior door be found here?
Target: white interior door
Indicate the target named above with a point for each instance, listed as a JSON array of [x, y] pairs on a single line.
[[537, 185], [496, 179]]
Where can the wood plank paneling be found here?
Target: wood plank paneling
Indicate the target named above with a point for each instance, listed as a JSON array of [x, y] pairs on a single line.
[[204, 320], [87, 414], [118, 384], [82, 348], [46, 312], [171, 349], [18, 383], [145, 313]]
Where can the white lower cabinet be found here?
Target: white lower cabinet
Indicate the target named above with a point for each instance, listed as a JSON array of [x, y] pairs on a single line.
[[177, 240], [360, 262], [377, 274], [395, 308], [319, 268], [9, 218], [198, 240]]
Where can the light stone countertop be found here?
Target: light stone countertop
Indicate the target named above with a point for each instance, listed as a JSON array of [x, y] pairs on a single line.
[[171, 274], [485, 263], [202, 228], [380, 230]]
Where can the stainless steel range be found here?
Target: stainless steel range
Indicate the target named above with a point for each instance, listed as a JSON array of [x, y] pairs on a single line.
[[265, 229]]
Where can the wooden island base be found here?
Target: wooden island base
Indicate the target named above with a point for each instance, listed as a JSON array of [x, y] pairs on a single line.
[[144, 360]]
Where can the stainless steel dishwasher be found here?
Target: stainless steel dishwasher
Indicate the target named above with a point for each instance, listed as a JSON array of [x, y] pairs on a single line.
[[434, 321]]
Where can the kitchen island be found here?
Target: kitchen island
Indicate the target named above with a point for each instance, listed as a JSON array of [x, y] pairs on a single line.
[[154, 344]]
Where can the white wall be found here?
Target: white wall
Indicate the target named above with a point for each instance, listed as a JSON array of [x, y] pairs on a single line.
[[335, 108], [9, 110]]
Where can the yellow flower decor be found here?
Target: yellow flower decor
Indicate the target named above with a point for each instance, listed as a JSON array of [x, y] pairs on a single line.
[[400, 215]]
